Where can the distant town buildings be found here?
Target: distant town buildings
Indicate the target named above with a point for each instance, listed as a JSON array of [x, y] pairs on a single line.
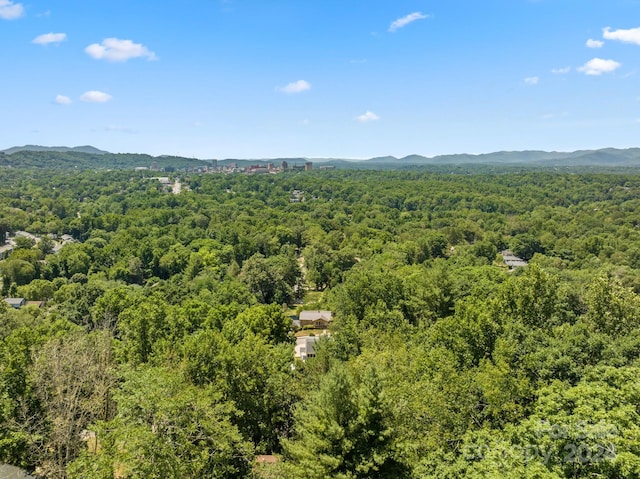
[[227, 166], [258, 168]]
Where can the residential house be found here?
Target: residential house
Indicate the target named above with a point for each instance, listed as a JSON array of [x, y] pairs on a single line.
[[297, 196], [511, 260], [16, 303], [165, 180], [305, 347], [64, 240], [32, 237], [5, 251], [315, 319]]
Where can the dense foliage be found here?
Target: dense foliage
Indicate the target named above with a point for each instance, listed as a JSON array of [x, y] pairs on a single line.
[[165, 347]]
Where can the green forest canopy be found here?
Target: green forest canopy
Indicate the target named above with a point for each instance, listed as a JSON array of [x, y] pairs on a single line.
[[164, 349]]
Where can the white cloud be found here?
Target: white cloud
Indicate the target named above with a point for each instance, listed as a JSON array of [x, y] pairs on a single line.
[[598, 66], [62, 100], [561, 71], [406, 20], [95, 96], [531, 80], [591, 43], [10, 10], [632, 35], [47, 38], [116, 50], [296, 87], [367, 117]]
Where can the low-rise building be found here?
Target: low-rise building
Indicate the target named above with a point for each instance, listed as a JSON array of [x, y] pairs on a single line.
[[511, 260], [30, 236], [16, 303], [305, 347], [5, 251], [315, 319]]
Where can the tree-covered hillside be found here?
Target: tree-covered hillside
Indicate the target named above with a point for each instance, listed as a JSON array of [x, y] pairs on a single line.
[[81, 160], [165, 348]]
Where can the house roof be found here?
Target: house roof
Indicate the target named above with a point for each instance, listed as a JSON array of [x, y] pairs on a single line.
[[512, 260], [314, 315], [305, 346], [304, 340], [15, 301]]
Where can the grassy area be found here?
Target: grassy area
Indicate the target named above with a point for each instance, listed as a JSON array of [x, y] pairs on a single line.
[[310, 298]]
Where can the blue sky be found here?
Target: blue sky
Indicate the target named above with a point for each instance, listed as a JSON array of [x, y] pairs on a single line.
[[320, 78]]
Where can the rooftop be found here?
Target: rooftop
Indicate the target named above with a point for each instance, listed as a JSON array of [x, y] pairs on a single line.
[[316, 314]]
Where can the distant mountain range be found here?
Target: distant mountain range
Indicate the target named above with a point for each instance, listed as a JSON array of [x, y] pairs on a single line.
[[606, 157], [602, 157], [88, 157], [60, 149]]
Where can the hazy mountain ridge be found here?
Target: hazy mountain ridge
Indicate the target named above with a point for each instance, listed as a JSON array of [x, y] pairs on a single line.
[[59, 149], [65, 160], [605, 156], [88, 157]]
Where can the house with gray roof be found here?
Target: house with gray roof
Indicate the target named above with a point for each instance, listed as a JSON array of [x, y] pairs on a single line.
[[6, 250], [315, 319], [511, 260], [16, 303]]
